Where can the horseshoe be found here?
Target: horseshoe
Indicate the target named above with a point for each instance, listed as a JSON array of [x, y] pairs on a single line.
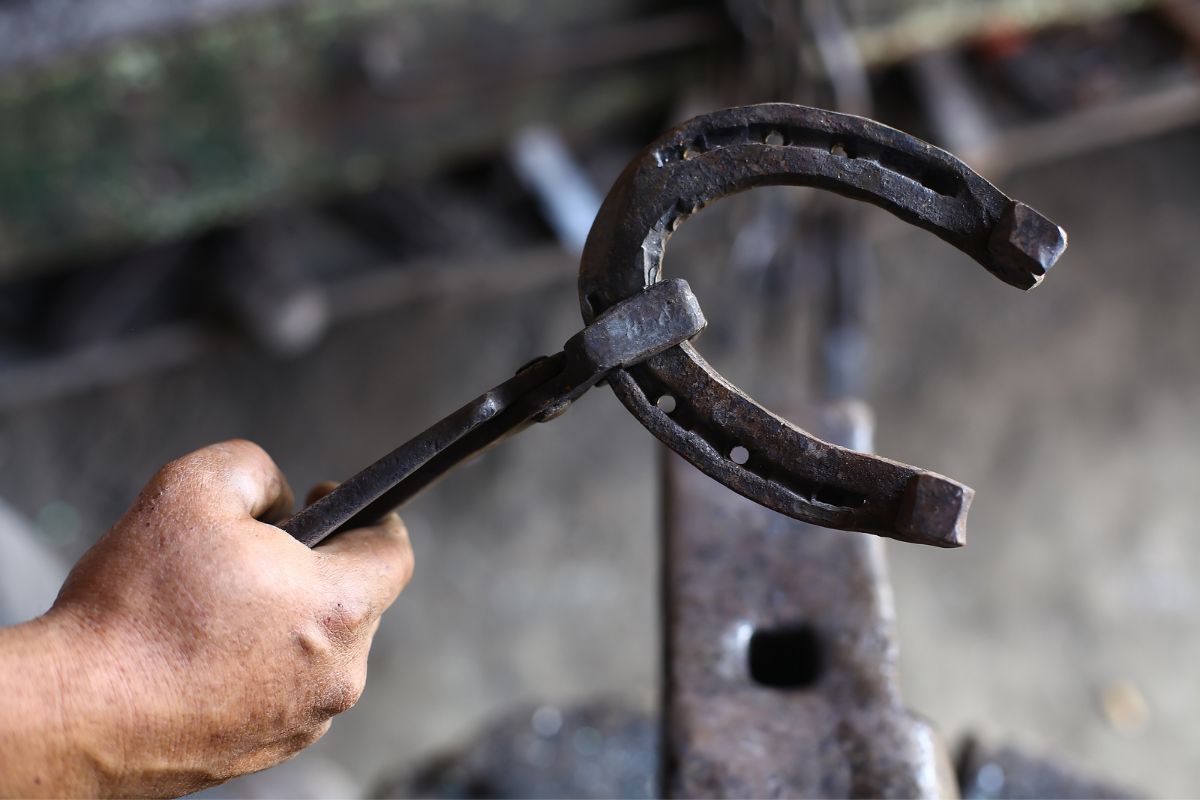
[[718, 154]]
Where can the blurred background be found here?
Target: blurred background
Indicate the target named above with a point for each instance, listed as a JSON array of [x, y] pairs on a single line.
[[323, 226]]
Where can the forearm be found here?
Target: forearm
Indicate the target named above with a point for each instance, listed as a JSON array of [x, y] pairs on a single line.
[[85, 711], [42, 749]]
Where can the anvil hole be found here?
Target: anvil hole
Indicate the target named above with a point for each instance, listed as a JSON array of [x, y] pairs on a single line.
[[666, 403], [739, 455], [785, 658]]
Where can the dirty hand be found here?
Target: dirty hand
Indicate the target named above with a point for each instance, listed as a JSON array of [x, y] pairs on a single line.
[[194, 642]]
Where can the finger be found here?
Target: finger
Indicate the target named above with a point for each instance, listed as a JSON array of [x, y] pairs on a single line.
[[320, 490], [372, 565], [235, 479]]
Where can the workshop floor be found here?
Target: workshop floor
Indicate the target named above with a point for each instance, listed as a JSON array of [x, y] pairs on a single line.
[[1069, 625]]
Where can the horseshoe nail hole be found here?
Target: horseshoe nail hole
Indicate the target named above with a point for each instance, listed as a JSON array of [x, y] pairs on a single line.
[[774, 138], [666, 403], [787, 658], [739, 455], [839, 149]]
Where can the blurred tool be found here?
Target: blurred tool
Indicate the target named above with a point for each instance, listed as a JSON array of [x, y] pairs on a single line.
[[567, 196], [268, 298]]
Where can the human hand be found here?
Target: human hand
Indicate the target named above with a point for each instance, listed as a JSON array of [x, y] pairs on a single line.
[[195, 643]]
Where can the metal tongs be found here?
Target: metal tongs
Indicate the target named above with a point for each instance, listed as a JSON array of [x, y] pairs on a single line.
[[661, 316], [639, 326]]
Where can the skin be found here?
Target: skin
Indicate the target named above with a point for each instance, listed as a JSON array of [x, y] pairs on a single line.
[[194, 642]]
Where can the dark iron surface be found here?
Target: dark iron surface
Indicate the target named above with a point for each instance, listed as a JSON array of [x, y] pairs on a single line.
[[728, 151], [781, 674]]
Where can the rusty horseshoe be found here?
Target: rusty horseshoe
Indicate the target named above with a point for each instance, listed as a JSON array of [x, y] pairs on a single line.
[[735, 149]]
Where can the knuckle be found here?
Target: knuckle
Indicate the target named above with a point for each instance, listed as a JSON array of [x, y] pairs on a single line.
[[176, 479], [314, 644], [341, 695], [168, 488], [348, 618], [242, 450], [308, 736], [216, 458], [245, 445], [174, 473]]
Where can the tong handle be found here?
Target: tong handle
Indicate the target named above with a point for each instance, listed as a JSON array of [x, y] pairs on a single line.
[[394, 479], [660, 317]]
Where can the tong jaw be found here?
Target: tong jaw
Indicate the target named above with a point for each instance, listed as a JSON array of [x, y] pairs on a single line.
[[729, 151]]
